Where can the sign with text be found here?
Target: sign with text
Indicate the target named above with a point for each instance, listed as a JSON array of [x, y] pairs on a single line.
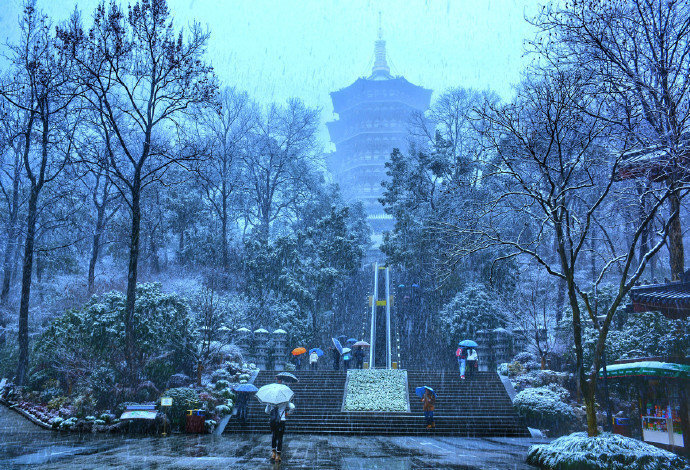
[[166, 401]]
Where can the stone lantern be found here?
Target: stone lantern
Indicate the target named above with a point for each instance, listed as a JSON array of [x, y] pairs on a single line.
[[279, 349], [243, 339], [261, 348]]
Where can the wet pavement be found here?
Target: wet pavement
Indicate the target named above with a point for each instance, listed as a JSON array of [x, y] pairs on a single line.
[[24, 445]]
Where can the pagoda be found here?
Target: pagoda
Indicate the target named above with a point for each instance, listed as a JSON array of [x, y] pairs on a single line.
[[373, 118]]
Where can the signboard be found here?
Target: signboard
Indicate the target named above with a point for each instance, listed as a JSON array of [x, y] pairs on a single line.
[[166, 401], [138, 414]]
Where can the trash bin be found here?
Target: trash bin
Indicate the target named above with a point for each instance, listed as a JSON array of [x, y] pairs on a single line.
[[622, 426], [195, 421]]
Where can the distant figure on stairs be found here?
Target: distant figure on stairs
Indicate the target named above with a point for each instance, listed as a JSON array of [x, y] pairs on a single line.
[[313, 360], [336, 358], [359, 357], [242, 403], [346, 360], [428, 404], [472, 362], [461, 354]]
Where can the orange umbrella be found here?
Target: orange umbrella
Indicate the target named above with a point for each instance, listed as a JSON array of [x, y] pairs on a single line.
[[298, 351]]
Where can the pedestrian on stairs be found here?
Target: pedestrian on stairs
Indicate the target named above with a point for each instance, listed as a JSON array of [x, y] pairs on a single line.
[[461, 354], [277, 417], [336, 358], [428, 404], [471, 362], [359, 357], [313, 360]]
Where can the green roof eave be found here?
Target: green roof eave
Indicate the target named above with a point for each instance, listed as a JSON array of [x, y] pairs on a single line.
[[648, 369]]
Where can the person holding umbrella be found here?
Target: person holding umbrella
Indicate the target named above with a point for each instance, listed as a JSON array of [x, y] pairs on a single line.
[[469, 347], [277, 398], [428, 405], [314, 354], [243, 392]]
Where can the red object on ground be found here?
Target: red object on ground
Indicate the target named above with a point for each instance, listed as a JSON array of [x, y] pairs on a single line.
[[195, 424]]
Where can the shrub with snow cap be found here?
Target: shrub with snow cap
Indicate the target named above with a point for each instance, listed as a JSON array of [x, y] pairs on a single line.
[[606, 451], [543, 407]]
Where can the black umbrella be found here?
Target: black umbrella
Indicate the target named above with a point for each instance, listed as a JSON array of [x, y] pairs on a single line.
[[287, 377]]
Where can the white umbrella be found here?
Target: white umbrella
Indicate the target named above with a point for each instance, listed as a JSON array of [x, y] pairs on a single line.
[[274, 394]]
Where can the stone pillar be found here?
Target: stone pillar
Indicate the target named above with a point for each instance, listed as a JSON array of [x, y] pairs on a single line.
[[484, 354], [243, 339], [261, 348], [279, 349]]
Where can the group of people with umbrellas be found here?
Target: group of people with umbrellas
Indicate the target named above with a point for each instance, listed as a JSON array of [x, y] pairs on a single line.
[[467, 356], [353, 349]]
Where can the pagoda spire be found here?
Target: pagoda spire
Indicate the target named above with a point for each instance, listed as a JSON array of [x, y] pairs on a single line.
[[380, 69]]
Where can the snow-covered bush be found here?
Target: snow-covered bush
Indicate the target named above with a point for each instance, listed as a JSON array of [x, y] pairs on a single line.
[[223, 410], [376, 390], [67, 424], [56, 422], [606, 451], [220, 374], [515, 369], [210, 425], [540, 378], [524, 357], [183, 399], [221, 384], [543, 407], [502, 369]]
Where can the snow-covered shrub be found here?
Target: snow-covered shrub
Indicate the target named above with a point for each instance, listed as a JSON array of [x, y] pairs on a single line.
[[543, 407], [223, 410], [376, 390], [57, 403], [606, 451], [220, 374], [50, 393], [84, 405], [210, 425], [56, 422], [221, 384], [102, 383], [183, 399], [515, 369], [524, 357], [539, 378], [502, 369], [67, 424], [99, 422], [531, 365]]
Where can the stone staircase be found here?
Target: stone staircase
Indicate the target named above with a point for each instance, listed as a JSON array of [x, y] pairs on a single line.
[[476, 407]]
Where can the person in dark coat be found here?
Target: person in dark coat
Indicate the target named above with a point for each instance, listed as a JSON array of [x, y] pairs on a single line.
[[461, 354], [336, 358], [346, 360], [242, 403], [359, 357]]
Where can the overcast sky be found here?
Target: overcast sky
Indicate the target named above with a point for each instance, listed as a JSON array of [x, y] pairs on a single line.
[[276, 49]]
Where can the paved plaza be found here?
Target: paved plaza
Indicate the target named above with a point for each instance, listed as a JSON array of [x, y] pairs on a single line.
[[23, 445]]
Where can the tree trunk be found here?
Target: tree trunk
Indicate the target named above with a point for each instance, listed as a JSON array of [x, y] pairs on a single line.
[[95, 246], [11, 249], [589, 390], [23, 362], [224, 230], [675, 236], [132, 277]]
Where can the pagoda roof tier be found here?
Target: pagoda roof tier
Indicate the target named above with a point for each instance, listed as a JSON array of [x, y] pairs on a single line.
[[655, 163], [340, 135], [672, 299], [365, 90]]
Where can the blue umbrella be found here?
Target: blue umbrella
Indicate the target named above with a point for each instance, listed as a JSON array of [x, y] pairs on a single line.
[[318, 351], [420, 391], [352, 340], [337, 345], [249, 388], [468, 343]]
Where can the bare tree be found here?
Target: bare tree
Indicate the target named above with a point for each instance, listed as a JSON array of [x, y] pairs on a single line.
[[228, 127], [42, 87], [639, 50], [554, 172], [143, 78], [277, 165]]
